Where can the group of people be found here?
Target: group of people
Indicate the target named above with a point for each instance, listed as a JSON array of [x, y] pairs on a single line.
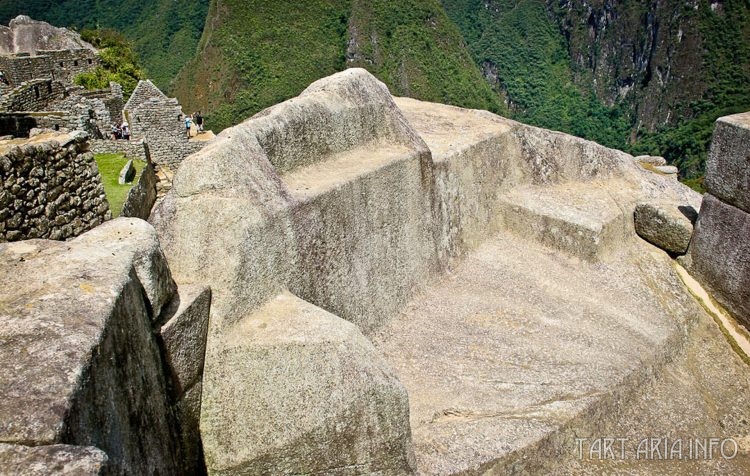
[[196, 119], [121, 131]]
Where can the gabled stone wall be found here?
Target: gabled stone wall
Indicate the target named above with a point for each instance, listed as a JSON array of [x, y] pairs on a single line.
[[159, 121]]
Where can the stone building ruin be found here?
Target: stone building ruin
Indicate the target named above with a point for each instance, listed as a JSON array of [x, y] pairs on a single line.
[[159, 121]]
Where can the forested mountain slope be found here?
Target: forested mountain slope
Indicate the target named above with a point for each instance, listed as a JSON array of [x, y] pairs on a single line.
[[647, 77], [256, 53]]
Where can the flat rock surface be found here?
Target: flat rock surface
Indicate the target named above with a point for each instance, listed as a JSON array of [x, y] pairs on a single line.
[[343, 168], [448, 129], [520, 340]]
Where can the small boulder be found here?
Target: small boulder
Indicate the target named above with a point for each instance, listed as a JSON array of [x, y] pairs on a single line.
[[667, 169], [667, 226], [127, 174], [651, 159]]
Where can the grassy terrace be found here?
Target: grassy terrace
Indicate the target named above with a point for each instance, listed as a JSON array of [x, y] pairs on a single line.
[[109, 168]]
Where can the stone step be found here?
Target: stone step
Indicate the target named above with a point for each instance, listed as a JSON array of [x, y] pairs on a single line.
[[583, 220], [306, 183]]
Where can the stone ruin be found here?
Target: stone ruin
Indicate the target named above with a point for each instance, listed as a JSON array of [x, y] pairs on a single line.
[[38, 92], [50, 188], [39, 63], [396, 287]]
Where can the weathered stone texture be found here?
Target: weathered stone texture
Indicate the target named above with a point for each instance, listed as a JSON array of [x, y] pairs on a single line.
[[720, 252], [51, 189], [79, 361], [728, 165], [665, 225], [142, 196], [341, 202], [316, 377], [52, 459], [127, 173], [184, 335], [34, 95]]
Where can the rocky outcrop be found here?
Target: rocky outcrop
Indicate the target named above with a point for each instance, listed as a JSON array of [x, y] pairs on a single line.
[[720, 250], [343, 211], [24, 35], [142, 196], [329, 142], [667, 226], [127, 174], [90, 372]]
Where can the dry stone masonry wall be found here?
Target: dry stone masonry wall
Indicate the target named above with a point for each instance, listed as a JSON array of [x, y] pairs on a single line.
[[51, 188], [159, 121], [62, 65]]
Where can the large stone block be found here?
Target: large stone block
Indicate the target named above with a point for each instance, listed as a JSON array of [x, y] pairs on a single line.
[[184, 335], [728, 166], [79, 363], [297, 390], [668, 226], [720, 252]]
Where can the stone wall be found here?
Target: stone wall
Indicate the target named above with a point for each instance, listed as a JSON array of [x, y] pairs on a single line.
[[133, 149], [720, 248], [61, 65], [25, 67], [20, 124], [51, 188], [48, 104], [160, 122], [35, 95]]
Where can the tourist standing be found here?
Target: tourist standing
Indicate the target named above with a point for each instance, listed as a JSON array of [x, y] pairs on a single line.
[[188, 123], [125, 131], [199, 121]]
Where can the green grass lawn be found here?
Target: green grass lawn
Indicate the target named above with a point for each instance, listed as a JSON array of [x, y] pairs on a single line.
[[109, 168]]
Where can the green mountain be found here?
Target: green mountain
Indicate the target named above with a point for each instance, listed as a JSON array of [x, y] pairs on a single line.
[[647, 77], [165, 33], [254, 54]]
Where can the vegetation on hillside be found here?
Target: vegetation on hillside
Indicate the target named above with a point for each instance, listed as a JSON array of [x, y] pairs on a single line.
[[119, 63], [726, 67], [255, 53], [164, 33], [534, 69], [418, 52], [517, 40]]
